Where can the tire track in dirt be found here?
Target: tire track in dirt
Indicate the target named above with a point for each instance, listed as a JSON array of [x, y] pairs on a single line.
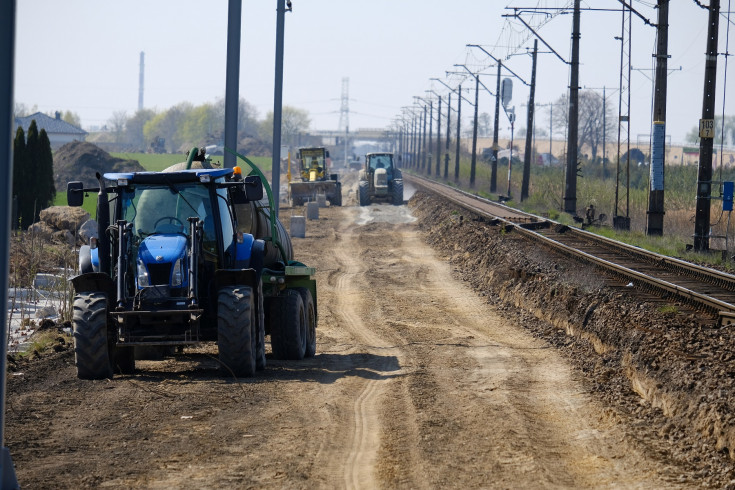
[[358, 463]]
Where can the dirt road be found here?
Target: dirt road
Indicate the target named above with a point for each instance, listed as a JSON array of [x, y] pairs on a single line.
[[417, 383]]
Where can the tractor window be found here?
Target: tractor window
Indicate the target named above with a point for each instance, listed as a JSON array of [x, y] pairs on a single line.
[[165, 209], [381, 161], [228, 234], [311, 159]]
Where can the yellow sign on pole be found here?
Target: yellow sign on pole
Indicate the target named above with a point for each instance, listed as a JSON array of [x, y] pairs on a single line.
[[706, 128]]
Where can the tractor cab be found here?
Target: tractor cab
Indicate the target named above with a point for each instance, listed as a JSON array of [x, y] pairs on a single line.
[[380, 179]]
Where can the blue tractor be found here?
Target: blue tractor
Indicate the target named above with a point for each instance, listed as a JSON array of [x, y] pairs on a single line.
[[179, 260]]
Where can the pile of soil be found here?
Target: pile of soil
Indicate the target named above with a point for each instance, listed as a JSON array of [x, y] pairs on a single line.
[[79, 161], [668, 366]]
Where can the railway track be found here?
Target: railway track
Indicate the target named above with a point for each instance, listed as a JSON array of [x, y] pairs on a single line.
[[702, 287]]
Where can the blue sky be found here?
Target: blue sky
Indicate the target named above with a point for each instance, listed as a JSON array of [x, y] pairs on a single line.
[[83, 56]]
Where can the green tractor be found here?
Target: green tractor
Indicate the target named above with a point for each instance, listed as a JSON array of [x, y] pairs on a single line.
[[380, 180], [184, 256]]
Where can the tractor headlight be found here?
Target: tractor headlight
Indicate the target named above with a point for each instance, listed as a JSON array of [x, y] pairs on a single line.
[[143, 280], [177, 275]]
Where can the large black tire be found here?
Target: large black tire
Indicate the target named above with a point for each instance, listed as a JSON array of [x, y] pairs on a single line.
[[125, 360], [236, 330], [92, 351], [397, 192], [288, 326], [260, 331], [362, 194], [310, 311], [337, 198]]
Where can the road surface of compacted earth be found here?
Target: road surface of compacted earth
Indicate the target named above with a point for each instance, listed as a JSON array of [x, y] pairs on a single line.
[[418, 382]]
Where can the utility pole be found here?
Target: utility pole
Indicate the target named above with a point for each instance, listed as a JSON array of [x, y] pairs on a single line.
[[707, 134], [494, 157], [459, 137], [141, 80], [570, 187], [474, 132], [232, 79], [415, 143], [449, 121], [604, 133], [439, 137], [529, 127], [423, 141], [658, 151], [412, 134], [278, 106], [8, 478], [431, 121], [344, 115]]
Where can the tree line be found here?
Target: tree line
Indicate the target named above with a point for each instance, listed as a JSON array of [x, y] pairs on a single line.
[[33, 175], [185, 125]]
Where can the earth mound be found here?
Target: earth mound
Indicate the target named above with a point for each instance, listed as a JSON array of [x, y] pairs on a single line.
[[80, 160]]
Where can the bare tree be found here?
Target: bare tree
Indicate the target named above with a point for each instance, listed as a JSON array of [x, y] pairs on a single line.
[[293, 122], [591, 131], [117, 124]]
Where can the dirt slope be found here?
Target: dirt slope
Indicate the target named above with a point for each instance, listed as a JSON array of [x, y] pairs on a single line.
[[79, 161], [418, 382]]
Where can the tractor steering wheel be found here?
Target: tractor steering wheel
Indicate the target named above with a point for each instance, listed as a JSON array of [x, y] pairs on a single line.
[[174, 225]]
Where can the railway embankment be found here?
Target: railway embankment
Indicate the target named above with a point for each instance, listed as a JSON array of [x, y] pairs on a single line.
[[653, 359]]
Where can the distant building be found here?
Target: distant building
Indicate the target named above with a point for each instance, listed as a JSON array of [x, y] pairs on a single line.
[[59, 131]]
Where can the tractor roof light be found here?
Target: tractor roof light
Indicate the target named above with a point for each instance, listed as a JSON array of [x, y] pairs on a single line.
[[204, 178], [122, 182]]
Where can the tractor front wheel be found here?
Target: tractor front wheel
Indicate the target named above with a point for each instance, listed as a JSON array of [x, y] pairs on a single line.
[[92, 352], [236, 330], [397, 192]]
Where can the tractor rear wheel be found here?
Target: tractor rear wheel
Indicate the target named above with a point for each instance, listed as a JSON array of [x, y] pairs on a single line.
[[92, 352], [398, 192], [363, 193], [236, 329], [288, 326], [310, 321]]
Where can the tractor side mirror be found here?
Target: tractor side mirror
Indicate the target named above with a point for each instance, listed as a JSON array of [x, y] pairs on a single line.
[[74, 193], [253, 187]]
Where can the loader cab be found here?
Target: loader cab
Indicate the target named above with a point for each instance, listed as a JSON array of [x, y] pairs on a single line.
[[313, 164]]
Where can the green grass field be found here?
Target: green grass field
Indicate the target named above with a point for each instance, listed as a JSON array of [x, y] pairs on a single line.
[[156, 162]]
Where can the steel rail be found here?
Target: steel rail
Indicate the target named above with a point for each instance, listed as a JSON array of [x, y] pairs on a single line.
[[725, 310]]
